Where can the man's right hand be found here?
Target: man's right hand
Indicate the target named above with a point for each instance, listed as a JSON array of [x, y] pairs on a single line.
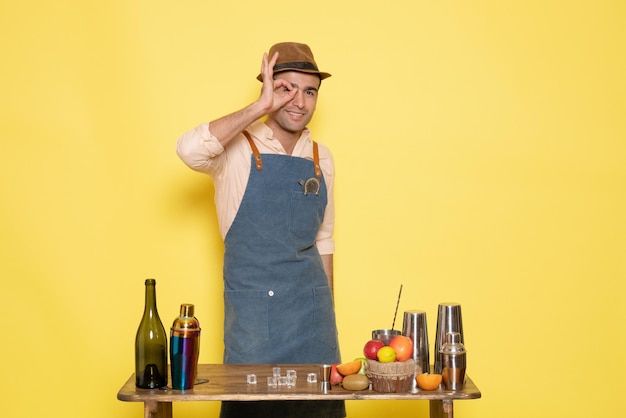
[[274, 93]]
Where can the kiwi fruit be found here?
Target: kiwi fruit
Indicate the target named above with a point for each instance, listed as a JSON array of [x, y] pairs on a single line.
[[355, 382]]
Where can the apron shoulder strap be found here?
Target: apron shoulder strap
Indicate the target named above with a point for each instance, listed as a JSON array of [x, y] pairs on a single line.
[[316, 160], [257, 155]]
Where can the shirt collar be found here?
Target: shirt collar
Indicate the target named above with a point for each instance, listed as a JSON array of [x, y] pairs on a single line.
[[265, 134]]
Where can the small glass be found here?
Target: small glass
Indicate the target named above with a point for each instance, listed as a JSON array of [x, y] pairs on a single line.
[[311, 378], [251, 379], [276, 371], [271, 381]]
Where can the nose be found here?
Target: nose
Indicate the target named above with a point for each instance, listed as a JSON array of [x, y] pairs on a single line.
[[298, 99]]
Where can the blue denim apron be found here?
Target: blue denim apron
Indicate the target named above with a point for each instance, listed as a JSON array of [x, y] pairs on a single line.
[[278, 304]]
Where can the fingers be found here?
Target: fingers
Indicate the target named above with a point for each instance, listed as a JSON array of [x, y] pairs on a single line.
[[267, 90], [279, 82], [284, 91], [267, 66], [281, 87], [264, 62], [274, 93], [264, 66], [272, 62]]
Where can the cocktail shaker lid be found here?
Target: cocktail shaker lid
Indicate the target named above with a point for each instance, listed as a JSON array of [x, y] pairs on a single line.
[[186, 309], [186, 321], [453, 344]]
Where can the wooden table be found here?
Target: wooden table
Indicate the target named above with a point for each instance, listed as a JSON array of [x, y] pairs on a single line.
[[227, 382]]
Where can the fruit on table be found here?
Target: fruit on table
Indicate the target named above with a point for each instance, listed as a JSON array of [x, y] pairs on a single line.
[[349, 368], [403, 346], [386, 354], [363, 361], [371, 349], [355, 382], [335, 376], [427, 381]]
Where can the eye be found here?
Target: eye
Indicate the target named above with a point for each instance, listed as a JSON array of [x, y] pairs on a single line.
[[311, 93]]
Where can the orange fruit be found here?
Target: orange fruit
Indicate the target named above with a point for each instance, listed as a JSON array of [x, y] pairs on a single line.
[[349, 368], [403, 346], [363, 361], [427, 381], [386, 355]]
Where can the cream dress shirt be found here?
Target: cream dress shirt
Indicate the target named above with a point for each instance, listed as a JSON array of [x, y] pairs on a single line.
[[230, 168]]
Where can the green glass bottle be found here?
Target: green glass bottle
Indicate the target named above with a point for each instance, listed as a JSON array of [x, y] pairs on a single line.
[[151, 345]]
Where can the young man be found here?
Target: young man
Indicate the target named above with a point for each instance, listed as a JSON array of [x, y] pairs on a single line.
[[274, 201]]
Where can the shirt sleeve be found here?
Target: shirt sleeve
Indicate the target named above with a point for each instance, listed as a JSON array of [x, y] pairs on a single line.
[[200, 150]]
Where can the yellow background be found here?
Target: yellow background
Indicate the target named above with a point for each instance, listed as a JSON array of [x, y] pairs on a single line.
[[480, 159]]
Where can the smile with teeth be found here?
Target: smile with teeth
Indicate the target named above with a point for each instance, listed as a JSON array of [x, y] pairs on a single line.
[[295, 114]]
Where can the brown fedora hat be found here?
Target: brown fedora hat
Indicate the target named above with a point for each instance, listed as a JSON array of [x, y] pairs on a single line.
[[293, 56]]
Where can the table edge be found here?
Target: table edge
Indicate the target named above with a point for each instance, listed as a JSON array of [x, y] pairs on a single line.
[[129, 393]]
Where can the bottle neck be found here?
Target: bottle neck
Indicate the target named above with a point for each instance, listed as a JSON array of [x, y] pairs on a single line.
[[150, 308]]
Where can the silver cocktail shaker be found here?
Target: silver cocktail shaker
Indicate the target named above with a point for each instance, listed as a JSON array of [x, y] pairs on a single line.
[[414, 327], [448, 320], [454, 362]]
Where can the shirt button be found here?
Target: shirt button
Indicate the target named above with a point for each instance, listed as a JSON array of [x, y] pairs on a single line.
[[271, 293]]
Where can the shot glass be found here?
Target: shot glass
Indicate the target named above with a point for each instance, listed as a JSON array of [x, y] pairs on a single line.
[[325, 377]]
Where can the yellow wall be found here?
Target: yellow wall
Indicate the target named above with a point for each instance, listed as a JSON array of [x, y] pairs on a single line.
[[480, 159]]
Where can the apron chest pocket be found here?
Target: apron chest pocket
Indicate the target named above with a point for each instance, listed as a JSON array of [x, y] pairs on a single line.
[[306, 213]]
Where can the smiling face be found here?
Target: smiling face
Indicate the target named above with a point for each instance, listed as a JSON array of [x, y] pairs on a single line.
[[288, 121]]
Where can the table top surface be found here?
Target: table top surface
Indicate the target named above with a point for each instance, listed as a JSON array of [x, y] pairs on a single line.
[[227, 382]]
